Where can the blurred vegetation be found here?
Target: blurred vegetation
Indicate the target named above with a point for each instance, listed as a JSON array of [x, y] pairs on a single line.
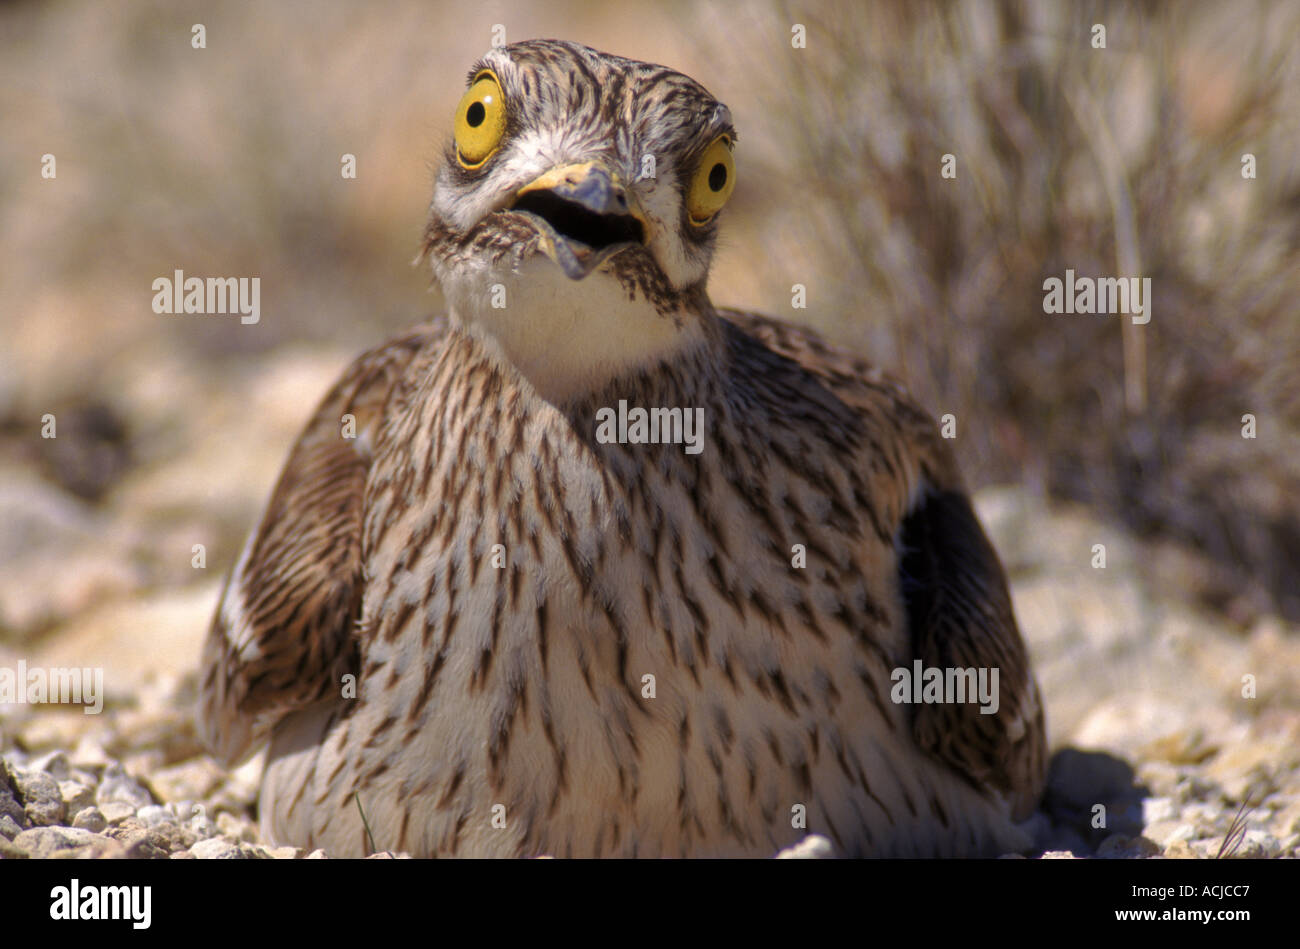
[[1122, 161], [1118, 161]]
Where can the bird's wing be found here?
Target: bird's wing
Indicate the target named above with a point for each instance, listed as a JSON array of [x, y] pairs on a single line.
[[285, 630], [950, 579]]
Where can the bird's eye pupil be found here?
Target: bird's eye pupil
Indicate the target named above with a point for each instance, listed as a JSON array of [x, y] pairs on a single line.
[[718, 176], [475, 114]]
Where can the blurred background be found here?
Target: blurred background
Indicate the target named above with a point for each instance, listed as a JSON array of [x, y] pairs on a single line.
[[1077, 430]]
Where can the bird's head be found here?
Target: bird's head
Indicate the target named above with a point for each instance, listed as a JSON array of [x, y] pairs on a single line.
[[576, 210]]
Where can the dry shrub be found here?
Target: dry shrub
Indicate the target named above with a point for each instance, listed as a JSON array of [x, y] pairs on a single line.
[[1125, 161]]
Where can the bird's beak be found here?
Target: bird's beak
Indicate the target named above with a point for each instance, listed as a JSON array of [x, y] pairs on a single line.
[[585, 213]]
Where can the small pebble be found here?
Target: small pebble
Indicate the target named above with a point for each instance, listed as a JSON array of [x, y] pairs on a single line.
[[42, 801], [236, 827], [217, 848], [116, 812], [89, 754], [154, 814], [76, 796], [812, 847], [1158, 809], [119, 787], [53, 763], [1259, 843], [44, 841], [91, 819], [1207, 847], [204, 827], [1121, 845], [1166, 832], [15, 760], [140, 842], [1160, 777], [9, 806], [190, 780]]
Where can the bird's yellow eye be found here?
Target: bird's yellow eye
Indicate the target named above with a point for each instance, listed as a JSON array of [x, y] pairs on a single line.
[[480, 121], [713, 181]]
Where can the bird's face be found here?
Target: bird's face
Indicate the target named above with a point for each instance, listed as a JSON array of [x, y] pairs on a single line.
[[579, 195]]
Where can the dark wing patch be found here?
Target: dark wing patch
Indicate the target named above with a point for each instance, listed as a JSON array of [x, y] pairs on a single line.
[[960, 616]]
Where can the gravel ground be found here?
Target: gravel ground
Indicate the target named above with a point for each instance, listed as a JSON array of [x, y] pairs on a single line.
[[1144, 697]]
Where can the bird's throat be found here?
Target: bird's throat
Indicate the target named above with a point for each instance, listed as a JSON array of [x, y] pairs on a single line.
[[571, 338]]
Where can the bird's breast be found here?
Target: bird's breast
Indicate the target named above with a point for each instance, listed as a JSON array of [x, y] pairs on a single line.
[[564, 628]]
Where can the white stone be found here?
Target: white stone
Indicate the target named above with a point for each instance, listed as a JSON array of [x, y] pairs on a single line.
[[216, 848], [812, 847], [91, 819], [153, 815], [76, 796], [1158, 809]]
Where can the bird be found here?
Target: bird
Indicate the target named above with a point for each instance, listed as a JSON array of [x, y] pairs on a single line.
[[589, 567]]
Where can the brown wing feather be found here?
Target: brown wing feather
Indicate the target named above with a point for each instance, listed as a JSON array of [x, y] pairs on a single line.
[[960, 616], [284, 633], [952, 583]]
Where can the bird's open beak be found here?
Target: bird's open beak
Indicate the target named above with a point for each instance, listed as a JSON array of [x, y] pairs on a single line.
[[585, 214]]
